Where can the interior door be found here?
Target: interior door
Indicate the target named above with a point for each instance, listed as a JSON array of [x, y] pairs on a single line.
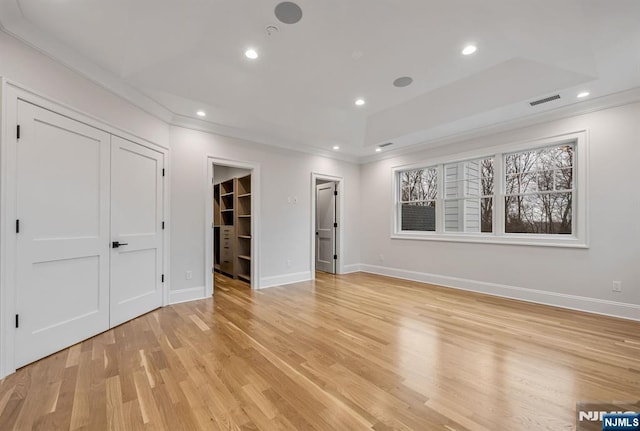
[[62, 269], [136, 230], [325, 227]]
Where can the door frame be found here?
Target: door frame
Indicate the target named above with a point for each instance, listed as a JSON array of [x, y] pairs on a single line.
[[208, 220], [10, 93], [340, 216]]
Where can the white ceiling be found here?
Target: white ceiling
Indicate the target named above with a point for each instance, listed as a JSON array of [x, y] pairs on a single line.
[[174, 57]]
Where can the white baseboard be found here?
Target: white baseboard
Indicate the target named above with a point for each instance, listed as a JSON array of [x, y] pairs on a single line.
[[185, 295], [279, 280], [573, 302], [348, 269]]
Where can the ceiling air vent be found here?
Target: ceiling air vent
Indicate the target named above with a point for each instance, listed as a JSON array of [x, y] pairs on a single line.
[[385, 145], [545, 100]]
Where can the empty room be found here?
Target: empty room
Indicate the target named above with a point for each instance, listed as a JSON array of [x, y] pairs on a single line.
[[319, 215]]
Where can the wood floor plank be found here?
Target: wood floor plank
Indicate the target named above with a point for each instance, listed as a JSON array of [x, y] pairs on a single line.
[[80, 412], [4, 400], [350, 352], [115, 415]]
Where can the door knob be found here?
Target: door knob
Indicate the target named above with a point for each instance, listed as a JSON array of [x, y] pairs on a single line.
[[116, 244]]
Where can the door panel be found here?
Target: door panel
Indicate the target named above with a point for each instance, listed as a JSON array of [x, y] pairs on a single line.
[[325, 231], [136, 222], [139, 272], [136, 178], [62, 271], [75, 278]]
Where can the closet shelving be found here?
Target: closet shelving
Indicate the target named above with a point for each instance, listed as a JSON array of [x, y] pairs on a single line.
[[232, 227], [243, 228], [224, 229]]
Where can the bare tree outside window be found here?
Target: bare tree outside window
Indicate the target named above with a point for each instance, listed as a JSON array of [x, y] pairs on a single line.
[[486, 204], [419, 185], [539, 190]]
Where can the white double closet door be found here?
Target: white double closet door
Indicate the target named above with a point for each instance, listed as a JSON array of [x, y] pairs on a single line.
[[89, 236]]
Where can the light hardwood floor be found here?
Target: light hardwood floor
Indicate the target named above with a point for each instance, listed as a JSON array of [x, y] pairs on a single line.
[[348, 352]]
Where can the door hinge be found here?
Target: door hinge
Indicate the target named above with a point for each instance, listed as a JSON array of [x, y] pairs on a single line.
[[162, 225], [18, 131], [162, 278], [335, 256], [17, 226], [335, 193], [17, 320], [213, 270], [335, 225], [163, 172]]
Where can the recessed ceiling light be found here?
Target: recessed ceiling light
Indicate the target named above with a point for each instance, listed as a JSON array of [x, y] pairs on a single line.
[[201, 114], [336, 147], [583, 94], [359, 102], [469, 49], [378, 150], [251, 53]]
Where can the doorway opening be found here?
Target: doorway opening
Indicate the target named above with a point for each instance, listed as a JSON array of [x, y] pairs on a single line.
[[327, 224], [231, 231]]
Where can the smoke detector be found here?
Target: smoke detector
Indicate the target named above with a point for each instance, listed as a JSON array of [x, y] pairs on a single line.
[[271, 30]]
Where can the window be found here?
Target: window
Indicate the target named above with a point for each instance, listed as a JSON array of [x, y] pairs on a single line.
[[418, 193], [539, 191], [526, 194]]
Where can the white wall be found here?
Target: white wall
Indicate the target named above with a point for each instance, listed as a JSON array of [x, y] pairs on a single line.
[[285, 227], [543, 274]]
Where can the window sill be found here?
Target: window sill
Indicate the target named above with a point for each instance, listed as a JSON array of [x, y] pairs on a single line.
[[539, 241]]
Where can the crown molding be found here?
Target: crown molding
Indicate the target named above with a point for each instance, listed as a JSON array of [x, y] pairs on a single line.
[[258, 138]]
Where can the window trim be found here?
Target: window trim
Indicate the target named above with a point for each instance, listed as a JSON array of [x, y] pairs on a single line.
[[579, 237]]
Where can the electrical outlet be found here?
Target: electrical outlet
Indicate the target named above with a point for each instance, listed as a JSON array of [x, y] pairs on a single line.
[[188, 275], [288, 263], [381, 257], [617, 286]]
